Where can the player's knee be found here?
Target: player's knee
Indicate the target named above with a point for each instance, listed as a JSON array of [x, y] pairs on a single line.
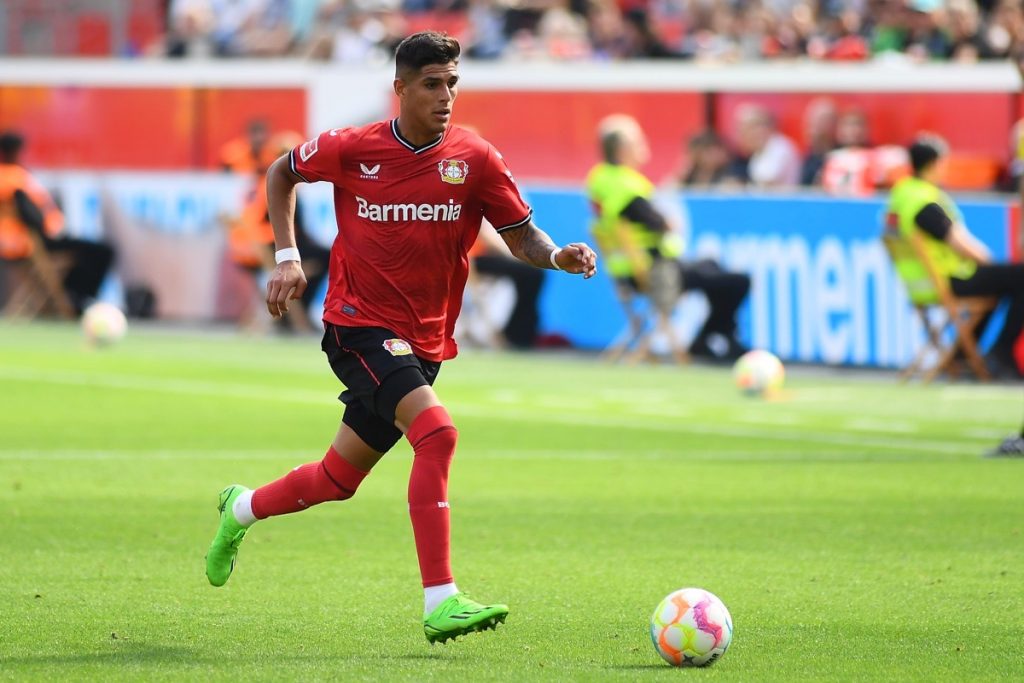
[[446, 438], [433, 432], [339, 479]]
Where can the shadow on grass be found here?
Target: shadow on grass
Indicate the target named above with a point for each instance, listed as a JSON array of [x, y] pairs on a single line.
[[124, 652], [640, 667], [139, 653]]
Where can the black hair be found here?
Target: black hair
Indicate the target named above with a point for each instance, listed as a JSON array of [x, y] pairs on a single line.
[[425, 48], [705, 139], [10, 145], [611, 142], [925, 151]]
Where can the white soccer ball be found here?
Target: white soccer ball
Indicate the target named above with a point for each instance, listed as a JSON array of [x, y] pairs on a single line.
[[103, 324], [691, 627], [758, 372]]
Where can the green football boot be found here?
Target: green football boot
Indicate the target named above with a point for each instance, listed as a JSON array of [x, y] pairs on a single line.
[[458, 615], [220, 558]]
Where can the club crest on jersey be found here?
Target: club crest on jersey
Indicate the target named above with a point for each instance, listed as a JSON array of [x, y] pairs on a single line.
[[397, 347], [453, 171]]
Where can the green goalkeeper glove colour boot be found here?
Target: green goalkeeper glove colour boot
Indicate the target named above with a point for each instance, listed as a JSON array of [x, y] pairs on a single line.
[[458, 615], [220, 558]]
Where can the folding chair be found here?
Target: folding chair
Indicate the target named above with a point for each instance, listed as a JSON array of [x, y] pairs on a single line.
[[38, 287], [929, 291], [648, 306]]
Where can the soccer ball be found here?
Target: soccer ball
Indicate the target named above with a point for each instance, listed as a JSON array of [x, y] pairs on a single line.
[[103, 324], [691, 627], [758, 372]]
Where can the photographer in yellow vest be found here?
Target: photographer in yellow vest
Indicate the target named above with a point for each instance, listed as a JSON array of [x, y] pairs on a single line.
[[643, 252], [919, 204]]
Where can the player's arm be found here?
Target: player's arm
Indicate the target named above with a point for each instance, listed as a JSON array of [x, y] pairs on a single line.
[[288, 281], [532, 245]]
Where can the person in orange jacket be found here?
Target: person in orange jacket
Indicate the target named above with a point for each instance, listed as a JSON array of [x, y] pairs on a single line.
[[250, 235], [26, 207]]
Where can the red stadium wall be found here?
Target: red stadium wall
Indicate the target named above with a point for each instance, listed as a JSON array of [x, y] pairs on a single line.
[[552, 135], [140, 128], [545, 134]]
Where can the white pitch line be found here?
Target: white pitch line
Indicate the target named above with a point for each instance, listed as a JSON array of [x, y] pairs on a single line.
[[679, 427], [705, 456], [863, 424], [169, 385], [119, 455]]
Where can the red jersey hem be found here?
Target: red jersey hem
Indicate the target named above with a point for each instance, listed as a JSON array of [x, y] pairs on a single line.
[[348, 321]]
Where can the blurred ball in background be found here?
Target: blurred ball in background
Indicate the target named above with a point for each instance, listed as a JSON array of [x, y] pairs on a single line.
[[104, 324]]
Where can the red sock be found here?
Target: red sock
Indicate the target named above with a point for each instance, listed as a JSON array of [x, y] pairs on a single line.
[[333, 478], [433, 438]]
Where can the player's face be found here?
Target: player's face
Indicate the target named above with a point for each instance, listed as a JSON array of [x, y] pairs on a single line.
[[426, 98]]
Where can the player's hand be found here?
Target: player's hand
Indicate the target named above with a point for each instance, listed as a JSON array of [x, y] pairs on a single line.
[[577, 258], [287, 282]]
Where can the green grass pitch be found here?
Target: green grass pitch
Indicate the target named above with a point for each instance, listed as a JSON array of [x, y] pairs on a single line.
[[851, 528]]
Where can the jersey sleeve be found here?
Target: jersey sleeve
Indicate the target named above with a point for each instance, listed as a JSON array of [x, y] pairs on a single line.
[[503, 205], [320, 158]]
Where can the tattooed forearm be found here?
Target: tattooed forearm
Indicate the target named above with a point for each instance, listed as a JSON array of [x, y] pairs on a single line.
[[530, 244]]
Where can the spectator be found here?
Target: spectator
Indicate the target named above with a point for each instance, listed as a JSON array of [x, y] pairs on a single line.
[[852, 130], [491, 256], [562, 34], [646, 44], [709, 163], [26, 206], [820, 132], [855, 167], [1004, 30], [608, 36], [250, 153], [925, 38], [773, 160], [965, 42], [487, 26], [250, 235], [189, 28]]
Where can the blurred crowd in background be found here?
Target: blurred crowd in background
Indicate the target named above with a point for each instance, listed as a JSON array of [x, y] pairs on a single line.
[[361, 31], [715, 30]]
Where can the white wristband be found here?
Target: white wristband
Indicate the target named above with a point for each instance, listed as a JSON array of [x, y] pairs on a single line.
[[289, 254], [554, 252]]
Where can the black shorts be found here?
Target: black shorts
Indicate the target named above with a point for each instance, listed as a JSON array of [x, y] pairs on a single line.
[[378, 369]]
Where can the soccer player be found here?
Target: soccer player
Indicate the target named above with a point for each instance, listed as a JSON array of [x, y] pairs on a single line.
[[409, 197]]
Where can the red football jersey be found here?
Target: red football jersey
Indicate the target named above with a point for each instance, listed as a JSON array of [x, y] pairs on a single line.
[[407, 217]]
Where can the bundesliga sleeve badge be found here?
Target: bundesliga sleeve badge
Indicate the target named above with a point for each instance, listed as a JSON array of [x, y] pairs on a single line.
[[453, 171]]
